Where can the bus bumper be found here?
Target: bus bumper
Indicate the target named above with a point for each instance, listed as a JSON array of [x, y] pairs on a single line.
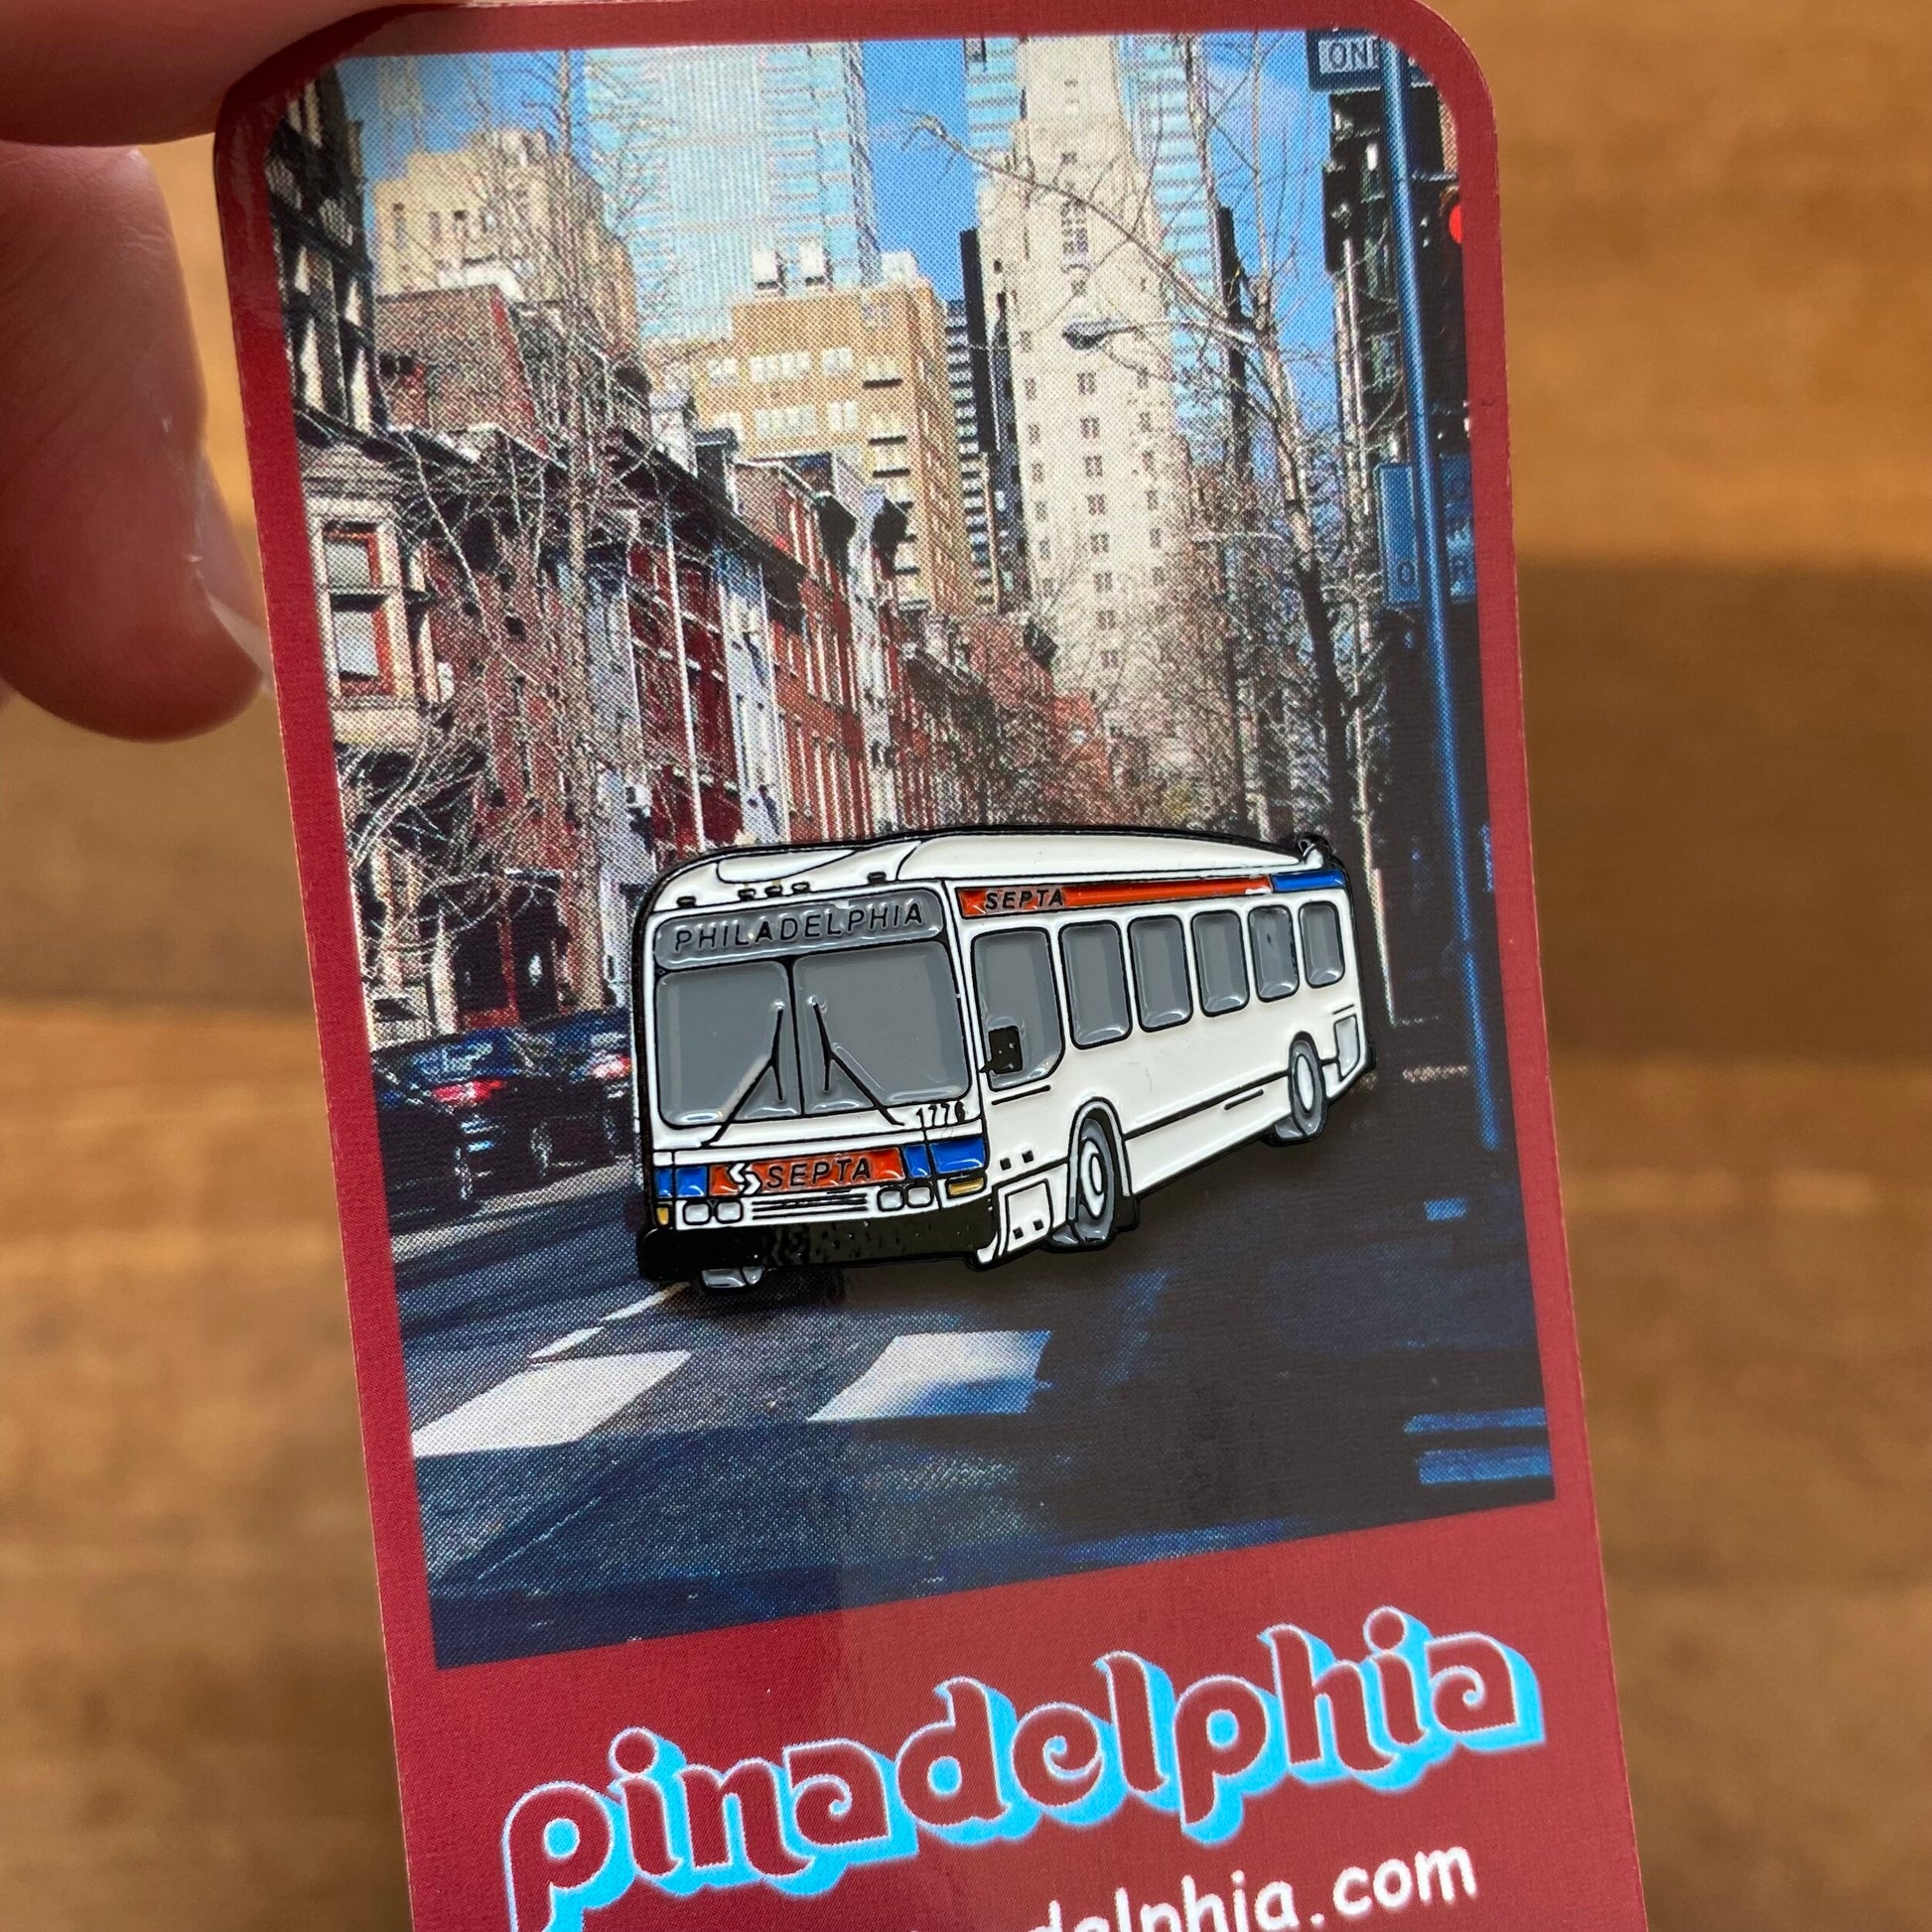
[[682, 1254]]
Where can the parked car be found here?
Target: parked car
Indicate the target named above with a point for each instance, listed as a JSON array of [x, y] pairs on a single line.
[[426, 1166], [520, 1107], [596, 1044]]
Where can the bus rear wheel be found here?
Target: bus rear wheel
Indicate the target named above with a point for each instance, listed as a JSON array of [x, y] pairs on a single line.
[[1308, 1096], [1093, 1188]]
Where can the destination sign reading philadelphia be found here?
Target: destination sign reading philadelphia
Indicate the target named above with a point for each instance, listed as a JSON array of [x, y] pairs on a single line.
[[757, 932]]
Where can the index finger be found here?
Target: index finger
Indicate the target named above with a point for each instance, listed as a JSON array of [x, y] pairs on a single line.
[[103, 72]]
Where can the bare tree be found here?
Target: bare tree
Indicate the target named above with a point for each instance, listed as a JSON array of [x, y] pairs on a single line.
[[1290, 686]]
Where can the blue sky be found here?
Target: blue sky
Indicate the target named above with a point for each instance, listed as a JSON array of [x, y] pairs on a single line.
[[925, 195]]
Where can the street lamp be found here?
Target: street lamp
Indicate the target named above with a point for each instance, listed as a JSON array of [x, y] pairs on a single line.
[[1093, 332]]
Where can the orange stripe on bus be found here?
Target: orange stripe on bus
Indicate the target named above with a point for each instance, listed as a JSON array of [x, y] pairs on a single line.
[[989, 901]]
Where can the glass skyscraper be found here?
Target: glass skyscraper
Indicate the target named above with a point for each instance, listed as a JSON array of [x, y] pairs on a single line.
[[744, 149]]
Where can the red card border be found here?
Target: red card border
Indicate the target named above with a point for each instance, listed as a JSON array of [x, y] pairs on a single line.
[[1548, 1549]]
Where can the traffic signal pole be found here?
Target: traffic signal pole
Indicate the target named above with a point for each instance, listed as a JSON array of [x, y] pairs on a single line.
[[1433, 543]]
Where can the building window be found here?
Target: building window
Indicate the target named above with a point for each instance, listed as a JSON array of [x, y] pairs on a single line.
[[520, 728], [1094, 466], [353, 567], [1103, 580], [1037, 473], [1025, 334], [1140, 378], [1106, 618], [1147, 421], [1090, 428], [1088, 383], [1040, 510], [1154, 537], [1029, 389], [1033, 432], [1154, 499], [1110, 661], [1097, 542], [1096, 505]]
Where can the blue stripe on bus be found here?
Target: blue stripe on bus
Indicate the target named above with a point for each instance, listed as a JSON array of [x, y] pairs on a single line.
[[965, 1156], [1307, 882]]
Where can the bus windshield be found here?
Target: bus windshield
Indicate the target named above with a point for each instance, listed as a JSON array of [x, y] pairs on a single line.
[[837, 1031]]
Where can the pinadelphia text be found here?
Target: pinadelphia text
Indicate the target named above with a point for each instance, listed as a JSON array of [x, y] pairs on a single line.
[[983, 1771]]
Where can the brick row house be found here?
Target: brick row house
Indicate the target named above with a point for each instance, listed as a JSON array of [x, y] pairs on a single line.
[[570, 638]]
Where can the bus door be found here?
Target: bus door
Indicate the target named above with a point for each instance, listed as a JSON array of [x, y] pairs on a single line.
[[1021, 1045]]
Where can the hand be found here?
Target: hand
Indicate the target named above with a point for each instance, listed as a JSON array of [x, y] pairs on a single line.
[[125, 601]]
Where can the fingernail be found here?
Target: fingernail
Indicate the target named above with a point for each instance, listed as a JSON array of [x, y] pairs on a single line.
[[225, 579]]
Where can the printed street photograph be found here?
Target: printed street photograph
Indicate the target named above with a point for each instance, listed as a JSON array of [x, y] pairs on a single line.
[[901, 624]]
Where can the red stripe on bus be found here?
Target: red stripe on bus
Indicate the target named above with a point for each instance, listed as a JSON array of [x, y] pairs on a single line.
[[989, 901]]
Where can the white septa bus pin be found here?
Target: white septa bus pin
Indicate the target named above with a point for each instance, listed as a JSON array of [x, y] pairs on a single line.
[[972, 1042]]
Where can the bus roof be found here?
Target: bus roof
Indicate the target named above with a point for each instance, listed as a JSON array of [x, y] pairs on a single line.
[[725, 878]]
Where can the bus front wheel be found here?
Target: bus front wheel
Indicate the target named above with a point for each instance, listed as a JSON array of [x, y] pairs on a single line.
[[1094, 1188], [1308, 1096]]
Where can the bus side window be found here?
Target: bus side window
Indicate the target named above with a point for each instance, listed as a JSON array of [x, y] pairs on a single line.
[[1321, 944], [1271, 931], [1160, 972], [1096, 982], [1013, 972], [1218, 965]]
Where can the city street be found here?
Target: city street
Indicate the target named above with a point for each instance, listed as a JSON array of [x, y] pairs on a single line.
[[601, 1459]]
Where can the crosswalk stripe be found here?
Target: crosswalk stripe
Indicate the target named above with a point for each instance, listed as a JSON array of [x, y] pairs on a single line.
[[541, 1408], [563, 1345], [1436, 1468], [990, 1372], [1474, 1422], [649, 1301]]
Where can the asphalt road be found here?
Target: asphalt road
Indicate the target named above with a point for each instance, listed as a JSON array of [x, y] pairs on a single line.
[[1294, 1341]]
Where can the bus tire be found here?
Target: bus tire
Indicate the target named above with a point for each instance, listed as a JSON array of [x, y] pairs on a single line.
[[1308, 1096], [1096, 1187]]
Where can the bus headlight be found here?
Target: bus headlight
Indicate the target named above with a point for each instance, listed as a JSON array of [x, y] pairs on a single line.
[[891, 1200], [730, 1210], [960, 1185], [919, 1194], [696, 1214]]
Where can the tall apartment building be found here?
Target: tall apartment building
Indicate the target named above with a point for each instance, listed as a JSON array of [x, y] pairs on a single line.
[[509, 209], [1103, 471], [747, 151], [973, 460], [1162, 96], [858, 372]]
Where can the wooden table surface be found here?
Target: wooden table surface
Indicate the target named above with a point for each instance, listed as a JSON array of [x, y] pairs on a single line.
[[1720, 313]]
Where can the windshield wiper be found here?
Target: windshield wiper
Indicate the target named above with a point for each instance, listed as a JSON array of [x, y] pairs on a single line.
[[755, 1079], [836, 1057]]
